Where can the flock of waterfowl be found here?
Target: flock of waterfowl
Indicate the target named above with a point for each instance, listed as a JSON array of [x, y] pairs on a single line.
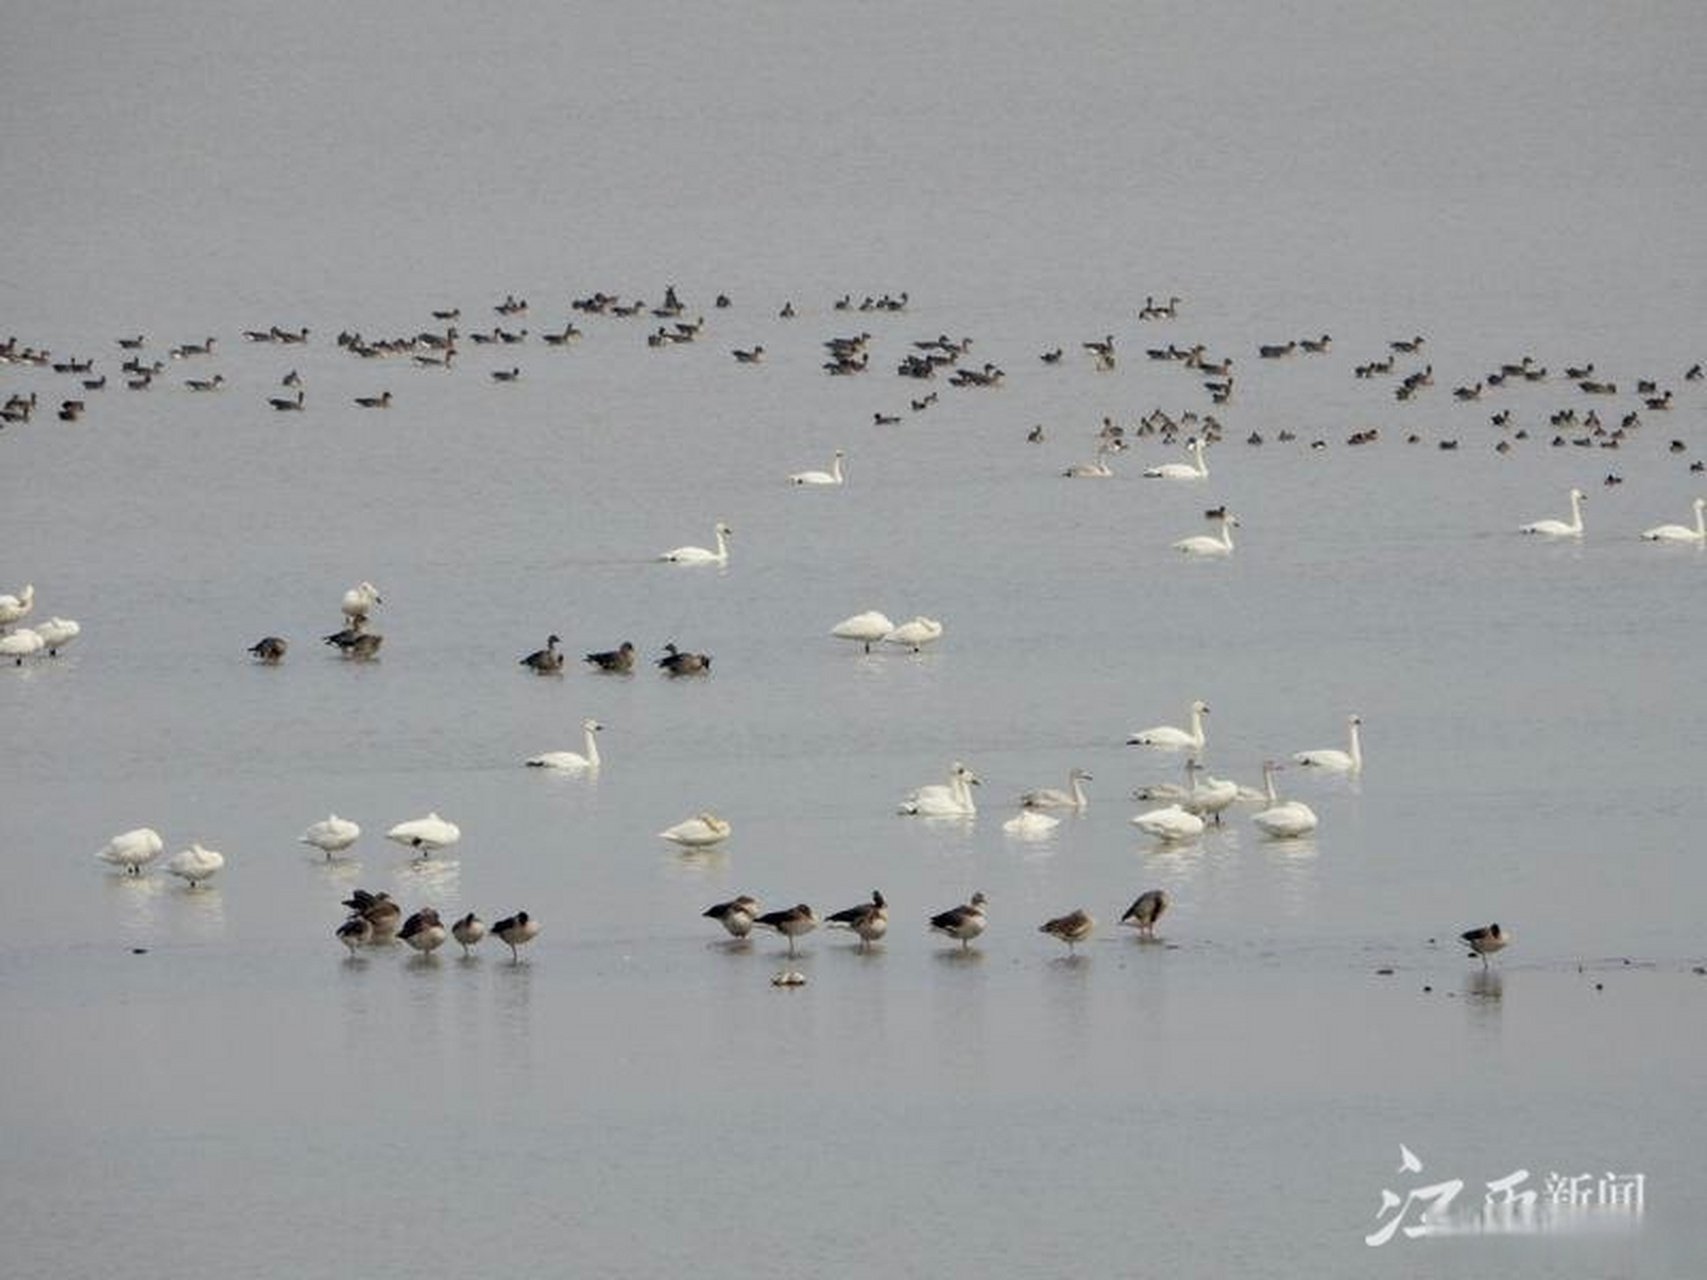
[[1188, 807]]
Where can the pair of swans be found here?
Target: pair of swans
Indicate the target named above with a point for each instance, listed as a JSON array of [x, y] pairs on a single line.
[[1560, 528], [701, 555], [939, 800], [873, 626], [1194, 470], [1283, 819], [1207, 545], [831, 477], [570, 761]]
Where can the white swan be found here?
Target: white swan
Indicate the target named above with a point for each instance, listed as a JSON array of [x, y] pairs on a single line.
[[953, 800], [359, 599], [195, 864], [1096, 469], [1673, 532], [1029, 824], [1170, 824], [832, 476], [428, 834], [867, 628], [1334, 761], [1182, 470], [15, 607], [1210, 796], [58, 632], [697, 832], [331, 835], [20, 644], [1204, 545], [133, 850], [1283, 819], [1051, 798], [569, 760], [1558, 528], [1169, 738], [916, 633], [699, 555]]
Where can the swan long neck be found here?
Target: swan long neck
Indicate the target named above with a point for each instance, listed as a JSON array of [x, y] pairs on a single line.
[[1197, 450], [1356, 751], [722, 547], [593, 749], [1078, 788], [1577, 510], [1700, 520], [836, 468], [1197, 716], [1268, 784]]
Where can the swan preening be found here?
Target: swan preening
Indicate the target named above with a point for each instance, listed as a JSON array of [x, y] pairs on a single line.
[[832, 476], [20, 644], [426, 835], [1170, 738], [1096, 469], [56, 633], [1665, 532], [915, 633], [569, 760], [1205, 545], [939, 800], [698, 832], [359, 599], [1030, 824], [867, 628], [1559, 528], [1170, 824], [1333, 760], [1051, 798], [1283, 819], [195, 865], [331, 835], [12, 608], [1195, 470], [133, 850], [699, 555]]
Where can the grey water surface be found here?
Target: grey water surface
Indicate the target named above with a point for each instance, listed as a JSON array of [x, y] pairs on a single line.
[[201, 1083]]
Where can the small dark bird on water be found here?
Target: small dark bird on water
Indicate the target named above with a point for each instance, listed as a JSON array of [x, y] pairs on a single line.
[[677, 663], [546, 661], [270, 649], [619, 660]]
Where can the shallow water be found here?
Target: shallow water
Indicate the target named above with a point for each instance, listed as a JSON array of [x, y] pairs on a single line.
[[635, 1095]]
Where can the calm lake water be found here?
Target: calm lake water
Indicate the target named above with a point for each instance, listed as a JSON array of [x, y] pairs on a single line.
[[202, 1082]]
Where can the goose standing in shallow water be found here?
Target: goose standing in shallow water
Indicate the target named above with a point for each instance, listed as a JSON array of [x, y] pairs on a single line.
[[1050, 798], [1659, 533], [355, 932], [468, 931], [1333, 760], [1484, 942], [1169, 738], [423, 931], [867, 628], [546, 661], [950, 800], [870, 920], [1283, 819], [699, 555], [568, 760], [698, 832], [1204, 545], [1180, 470], [1145, 911], [1072, 928], [832, 476], [1559, 528], [963, 922], [516, 931], [131, 851], [380, 912], [426, 835], [332, 835], [916, 633], [793, 923], [736, 916]]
